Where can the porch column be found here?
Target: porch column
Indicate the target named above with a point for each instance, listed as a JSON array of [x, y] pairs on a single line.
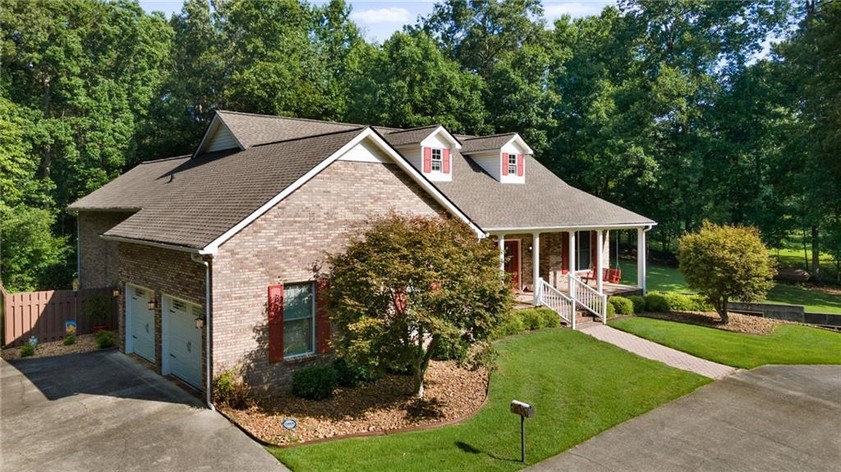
[[501, 243], [600, 261], [571, 258], [535, 266], [641, 259]]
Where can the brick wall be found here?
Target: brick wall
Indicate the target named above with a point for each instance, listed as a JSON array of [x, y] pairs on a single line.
[[288, 244], [164, 271], [98, 257]]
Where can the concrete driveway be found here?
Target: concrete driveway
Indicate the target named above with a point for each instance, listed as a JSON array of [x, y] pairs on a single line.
[[770, 418], [102, 411]]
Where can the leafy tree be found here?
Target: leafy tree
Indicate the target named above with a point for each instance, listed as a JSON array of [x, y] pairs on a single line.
[[31, 257], [410, 83], [726, 263], [406, 284]]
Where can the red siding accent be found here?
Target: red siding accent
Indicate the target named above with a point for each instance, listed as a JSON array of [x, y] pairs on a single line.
[[520, 163], [427, 160], [565, 252], [275, 309], [504, 164], [322, 317], [445, 155]]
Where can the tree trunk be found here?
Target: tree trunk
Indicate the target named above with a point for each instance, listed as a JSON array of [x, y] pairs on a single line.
[[721, 309], [816, 254], [422, 364]]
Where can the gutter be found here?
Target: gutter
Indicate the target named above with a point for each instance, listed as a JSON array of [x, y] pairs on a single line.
[[207, 318]]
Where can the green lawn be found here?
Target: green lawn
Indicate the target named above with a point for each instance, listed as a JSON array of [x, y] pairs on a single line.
[[669, 279], [787, 345], [794, 258], [579, 387]]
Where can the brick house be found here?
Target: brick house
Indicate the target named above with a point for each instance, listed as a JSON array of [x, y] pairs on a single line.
[[216, 253]]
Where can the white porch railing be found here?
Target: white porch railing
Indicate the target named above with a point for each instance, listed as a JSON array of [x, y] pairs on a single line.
[[588, 298], [557, 301]]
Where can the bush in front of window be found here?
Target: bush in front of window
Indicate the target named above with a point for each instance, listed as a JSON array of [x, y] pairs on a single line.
[[314, 383]]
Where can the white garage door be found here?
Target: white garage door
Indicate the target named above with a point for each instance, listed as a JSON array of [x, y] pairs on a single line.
[[140, 323], [182, 341]]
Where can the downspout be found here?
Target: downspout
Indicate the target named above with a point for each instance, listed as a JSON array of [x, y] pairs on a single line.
[[207, 311]]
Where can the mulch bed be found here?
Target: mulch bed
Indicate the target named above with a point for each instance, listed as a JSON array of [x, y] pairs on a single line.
[[451, 393], [738, 323], [84, 343]]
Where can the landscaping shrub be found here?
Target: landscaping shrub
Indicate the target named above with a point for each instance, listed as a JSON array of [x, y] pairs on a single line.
[[550, 319], [532, 318], [679, 302], [350, 374], [450, 349], [621, 305], [611, 310], [700, 303], [511, 324], [314, 383], [69, 340], [105, 339], [656, 303], [639, 303], [230, 389], [27, 350]]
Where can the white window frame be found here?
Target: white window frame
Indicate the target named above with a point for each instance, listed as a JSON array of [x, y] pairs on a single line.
[[439, 161], [579, 239], [512, 164], [312, 318]]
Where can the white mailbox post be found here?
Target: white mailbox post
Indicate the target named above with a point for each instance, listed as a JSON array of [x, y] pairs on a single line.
[[525, 411]]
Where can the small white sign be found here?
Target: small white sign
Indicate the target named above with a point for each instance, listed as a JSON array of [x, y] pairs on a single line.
[[289, 423]]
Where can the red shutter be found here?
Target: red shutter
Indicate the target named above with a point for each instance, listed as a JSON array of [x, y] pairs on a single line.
[[446, 157], [504, 164], [427, 160], [275, 309], [322, 317], [521, 161], [564, 253]]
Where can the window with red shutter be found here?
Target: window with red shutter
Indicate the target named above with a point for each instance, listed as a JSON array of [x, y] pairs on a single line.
[[298, 320], [504, 164], [447, 161], [275, 311], [427, 160], [520, 165], [322, 317]]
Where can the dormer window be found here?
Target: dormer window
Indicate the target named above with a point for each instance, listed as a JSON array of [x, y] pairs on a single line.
[[437, 160], [512, 164]]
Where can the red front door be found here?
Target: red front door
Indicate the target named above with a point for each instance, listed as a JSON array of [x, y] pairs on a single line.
[[512, 262]]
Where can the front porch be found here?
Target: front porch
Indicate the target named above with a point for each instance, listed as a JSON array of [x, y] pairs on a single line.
[[569, 269], [526, 298]]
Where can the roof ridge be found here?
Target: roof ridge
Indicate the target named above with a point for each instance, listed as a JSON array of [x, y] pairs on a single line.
[[320, 135], [406, 130], [293, 118], [491, 135], [151, 161]]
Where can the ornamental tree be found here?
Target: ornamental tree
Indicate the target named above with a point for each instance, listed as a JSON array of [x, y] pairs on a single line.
[[726, 263], [406, 285]]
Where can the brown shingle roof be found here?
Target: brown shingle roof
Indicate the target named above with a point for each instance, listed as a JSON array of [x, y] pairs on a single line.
[[409, 136], [252, 130], [191, 202], [485, 143], [544, 201]]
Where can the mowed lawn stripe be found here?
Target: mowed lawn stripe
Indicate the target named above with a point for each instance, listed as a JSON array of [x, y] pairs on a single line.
[[579, 386], [788, 344]]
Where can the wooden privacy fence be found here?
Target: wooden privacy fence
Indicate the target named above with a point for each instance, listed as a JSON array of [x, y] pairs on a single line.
[[43, 314]]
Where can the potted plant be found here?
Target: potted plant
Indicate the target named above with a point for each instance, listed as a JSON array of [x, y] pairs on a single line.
[[96, 309]]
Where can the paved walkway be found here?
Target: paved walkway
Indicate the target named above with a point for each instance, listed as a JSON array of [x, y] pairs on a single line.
[[657, 352]]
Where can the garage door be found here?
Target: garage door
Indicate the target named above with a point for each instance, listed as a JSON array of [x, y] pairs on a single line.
[[140, 323], [182, 341]]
